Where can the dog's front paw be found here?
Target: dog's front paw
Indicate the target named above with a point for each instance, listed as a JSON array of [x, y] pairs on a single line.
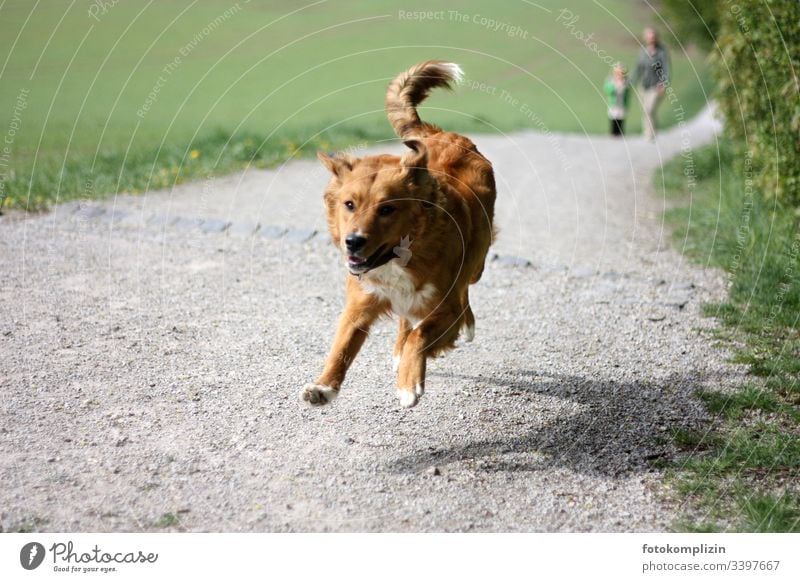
[[409, 397], [318, 394]]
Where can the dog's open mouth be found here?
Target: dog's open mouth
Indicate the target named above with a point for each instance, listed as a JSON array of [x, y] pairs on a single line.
[[359, 265]]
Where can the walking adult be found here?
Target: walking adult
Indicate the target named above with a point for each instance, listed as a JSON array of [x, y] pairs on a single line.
[[652, 71]]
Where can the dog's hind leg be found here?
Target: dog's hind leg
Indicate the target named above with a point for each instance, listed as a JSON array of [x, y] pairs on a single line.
[[468, 322], [468, 327], [353, 328], [402, 336]]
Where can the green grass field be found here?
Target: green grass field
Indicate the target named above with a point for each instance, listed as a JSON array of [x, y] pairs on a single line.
[[118, 96], [742, 472]]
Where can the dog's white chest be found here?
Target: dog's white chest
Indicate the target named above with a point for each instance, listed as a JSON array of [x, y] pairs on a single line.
[[395, 284]]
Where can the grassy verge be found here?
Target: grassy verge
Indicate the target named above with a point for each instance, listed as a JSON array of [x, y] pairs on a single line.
[[50, 178], [78, 81], [742, 473]]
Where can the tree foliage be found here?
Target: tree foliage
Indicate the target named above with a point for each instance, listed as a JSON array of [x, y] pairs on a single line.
[[757, 66], [693, 20]]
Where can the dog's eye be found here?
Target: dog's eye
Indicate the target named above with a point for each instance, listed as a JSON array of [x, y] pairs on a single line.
[[386, 210], [349, 205]]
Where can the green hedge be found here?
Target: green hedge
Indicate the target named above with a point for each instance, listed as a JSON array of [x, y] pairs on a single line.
[[692, 21], [757, 65]]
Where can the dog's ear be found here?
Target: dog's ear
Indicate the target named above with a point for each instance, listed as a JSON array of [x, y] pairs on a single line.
[[338, 164]]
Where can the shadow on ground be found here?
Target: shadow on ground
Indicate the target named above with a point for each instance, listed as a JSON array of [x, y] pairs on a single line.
[[617, 428]]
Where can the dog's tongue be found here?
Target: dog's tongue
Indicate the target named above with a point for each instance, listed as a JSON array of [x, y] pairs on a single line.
[[356, 260]]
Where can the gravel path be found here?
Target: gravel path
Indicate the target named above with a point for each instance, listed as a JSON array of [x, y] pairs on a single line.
[[153, 348]]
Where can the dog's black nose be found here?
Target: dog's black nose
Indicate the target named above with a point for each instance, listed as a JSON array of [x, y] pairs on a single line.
[[355, 242]]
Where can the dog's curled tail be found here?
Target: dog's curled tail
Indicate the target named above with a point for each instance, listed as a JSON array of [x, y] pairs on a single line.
[[410, 88]]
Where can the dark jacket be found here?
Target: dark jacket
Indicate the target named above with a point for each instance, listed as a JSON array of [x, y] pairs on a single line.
[[652, 69]]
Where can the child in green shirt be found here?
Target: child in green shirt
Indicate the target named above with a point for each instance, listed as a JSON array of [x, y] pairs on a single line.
[[617, 88]]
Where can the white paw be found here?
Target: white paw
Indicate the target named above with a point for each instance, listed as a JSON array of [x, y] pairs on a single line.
[[408, 398], [419, 389], [395, 363], [469, 333], [317, 394]]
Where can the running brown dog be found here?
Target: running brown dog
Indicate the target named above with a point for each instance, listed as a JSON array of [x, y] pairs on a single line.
[[414, 231]]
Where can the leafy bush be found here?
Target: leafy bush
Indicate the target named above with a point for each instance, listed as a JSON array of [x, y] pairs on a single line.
[[757, 65], [693, 20]]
